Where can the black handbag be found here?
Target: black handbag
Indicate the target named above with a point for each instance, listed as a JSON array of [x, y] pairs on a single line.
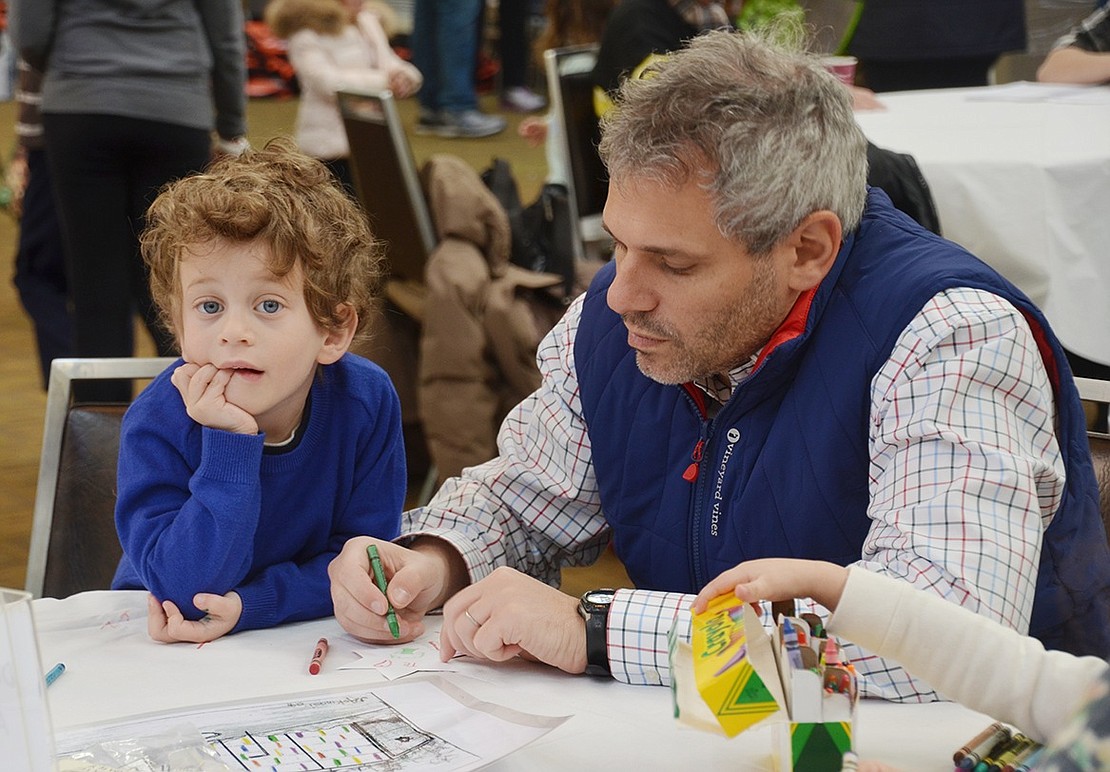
[[542, 232]]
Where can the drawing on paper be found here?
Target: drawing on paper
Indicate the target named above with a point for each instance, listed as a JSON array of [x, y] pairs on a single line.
[[373, 736]]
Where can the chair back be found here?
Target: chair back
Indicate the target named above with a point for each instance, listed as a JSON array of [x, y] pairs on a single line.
[[74, 545], [386, 180], [570, 88], [1094, 390]]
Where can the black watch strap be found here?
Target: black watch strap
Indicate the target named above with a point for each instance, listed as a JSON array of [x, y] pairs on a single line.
[[594, 607]]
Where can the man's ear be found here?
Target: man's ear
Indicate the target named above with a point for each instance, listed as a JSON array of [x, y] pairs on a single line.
[[814, 244], [338, 339]]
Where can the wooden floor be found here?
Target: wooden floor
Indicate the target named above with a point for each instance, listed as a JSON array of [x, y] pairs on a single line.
[[23, 401]]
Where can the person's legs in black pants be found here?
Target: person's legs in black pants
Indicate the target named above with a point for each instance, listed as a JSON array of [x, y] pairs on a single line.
[[159, 154], [106, 169], [515, 45], [40, 269]]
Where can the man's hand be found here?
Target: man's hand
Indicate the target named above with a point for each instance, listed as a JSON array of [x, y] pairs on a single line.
[[778, 579], [419, 579], [165, 622], [202, 389], [510, 614]]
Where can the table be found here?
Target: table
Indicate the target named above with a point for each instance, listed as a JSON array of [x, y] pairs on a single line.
[[114, 670], [1021, 177]]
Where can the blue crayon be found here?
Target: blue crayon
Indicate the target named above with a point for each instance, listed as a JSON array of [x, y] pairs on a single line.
[[54, 672], [790, 640]]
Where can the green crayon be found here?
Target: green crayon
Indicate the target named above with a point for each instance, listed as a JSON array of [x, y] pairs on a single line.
[[379, 579]]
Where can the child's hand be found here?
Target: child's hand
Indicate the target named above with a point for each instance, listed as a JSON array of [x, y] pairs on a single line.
[[534, 130], [202, 389], [165, 623], [402, 84], [778, 579]]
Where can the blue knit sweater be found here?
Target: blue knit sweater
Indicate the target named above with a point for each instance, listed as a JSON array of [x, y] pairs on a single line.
[[205, 510]]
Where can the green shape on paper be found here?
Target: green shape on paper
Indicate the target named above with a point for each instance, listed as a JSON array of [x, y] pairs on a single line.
[[818, 747], [748, 695]]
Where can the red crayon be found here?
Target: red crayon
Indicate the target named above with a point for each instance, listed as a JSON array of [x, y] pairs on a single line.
[[318, 656]]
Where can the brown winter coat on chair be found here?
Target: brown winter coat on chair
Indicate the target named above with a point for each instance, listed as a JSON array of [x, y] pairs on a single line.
[[483, 319]]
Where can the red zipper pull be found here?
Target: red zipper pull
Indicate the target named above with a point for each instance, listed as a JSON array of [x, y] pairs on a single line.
[[691, 473]]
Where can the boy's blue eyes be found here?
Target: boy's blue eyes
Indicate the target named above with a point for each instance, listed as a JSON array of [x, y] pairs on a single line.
[[209, 307]]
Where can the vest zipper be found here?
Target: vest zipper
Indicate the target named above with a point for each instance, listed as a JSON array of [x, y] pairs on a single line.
[[691, 473]]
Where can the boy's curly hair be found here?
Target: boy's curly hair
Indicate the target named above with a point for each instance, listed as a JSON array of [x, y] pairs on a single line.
[[283, 198]]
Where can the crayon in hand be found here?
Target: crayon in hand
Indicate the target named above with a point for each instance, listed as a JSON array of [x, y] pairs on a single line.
[[379, 579]]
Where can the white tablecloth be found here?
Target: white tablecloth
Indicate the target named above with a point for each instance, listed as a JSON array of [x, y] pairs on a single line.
[[1021, 177], [113, 671]]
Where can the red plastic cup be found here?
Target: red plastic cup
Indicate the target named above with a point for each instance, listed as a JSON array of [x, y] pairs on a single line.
[[843, 67]]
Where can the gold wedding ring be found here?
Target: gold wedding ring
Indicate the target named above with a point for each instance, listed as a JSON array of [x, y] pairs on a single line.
[[472, 619]]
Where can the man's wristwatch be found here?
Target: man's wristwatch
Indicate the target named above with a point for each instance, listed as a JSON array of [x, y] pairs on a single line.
[[594, 608]]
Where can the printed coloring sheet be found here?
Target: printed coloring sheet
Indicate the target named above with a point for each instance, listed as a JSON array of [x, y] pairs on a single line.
[[414, 725]]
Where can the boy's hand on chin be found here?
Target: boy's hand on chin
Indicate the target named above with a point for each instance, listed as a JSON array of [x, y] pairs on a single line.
[[202, 387]]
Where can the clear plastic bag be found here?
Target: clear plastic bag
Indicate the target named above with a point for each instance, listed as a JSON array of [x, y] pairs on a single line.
[[181, 748]]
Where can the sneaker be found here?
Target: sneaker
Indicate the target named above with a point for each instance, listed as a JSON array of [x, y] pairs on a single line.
[[522, 100], [429, 122], [466, 123]]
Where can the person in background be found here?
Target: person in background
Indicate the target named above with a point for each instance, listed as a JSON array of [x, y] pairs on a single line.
[[132, 90], [1082, 55], [40, 268], [776, 363], [514, 44], [1059, 699], [335, 45], [444, 49], [640, 30], [247, 464], [569, 23], [908, 44]]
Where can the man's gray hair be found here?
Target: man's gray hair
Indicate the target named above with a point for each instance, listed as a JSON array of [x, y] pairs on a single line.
[[768, 131]]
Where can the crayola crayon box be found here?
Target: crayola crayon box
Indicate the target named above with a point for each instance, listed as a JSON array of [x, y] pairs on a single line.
[[733, 675]]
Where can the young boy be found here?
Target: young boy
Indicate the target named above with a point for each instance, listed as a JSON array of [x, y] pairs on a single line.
[[1053, 697], [245, 467]]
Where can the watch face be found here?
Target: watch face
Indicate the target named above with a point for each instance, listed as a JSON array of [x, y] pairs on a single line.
[[600, 597]]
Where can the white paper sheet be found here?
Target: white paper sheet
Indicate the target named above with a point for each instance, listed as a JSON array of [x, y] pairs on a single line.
[[413, 725]]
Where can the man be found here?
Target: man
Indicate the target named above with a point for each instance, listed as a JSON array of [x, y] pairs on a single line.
[[1083, 54], [776, 363]]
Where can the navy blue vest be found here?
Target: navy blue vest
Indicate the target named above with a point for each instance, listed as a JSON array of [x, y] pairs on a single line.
[[783, 467]]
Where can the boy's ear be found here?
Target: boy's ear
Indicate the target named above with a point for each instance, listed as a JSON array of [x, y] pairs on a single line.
[[338, 339], [815, 244]]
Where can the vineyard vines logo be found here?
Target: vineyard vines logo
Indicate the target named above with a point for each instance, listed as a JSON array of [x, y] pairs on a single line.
[[733, 436]]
